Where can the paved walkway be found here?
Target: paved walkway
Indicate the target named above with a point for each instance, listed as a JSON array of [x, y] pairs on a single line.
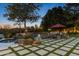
[[62, 47]]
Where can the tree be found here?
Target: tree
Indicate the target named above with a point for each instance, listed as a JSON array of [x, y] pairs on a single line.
[[73, 9], [54, 16], [22, 12]]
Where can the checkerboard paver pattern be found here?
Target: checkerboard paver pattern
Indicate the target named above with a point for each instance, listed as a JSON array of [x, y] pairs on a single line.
[[49, 47]]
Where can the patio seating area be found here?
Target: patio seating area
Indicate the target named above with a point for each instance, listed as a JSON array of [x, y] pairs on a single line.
[[49, 47], [54, 35]]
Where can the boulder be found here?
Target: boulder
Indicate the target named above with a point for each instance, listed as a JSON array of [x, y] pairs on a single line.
[[36, 42], [28, 41]]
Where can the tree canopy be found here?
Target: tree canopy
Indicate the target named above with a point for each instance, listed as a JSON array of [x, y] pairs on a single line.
[[54, 16], [67, 15], [22, 12]]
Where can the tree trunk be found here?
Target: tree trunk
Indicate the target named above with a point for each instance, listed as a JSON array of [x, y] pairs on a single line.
[[25, 25], [19, 27]]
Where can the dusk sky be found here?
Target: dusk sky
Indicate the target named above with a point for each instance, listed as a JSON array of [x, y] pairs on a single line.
[[43, 10]]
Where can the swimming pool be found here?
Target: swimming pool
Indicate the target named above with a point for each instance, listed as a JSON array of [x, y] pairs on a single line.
[[5, 43], [7, 40]]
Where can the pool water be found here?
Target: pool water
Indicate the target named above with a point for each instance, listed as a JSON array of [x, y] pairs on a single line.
[[6, 45], [7, 40]]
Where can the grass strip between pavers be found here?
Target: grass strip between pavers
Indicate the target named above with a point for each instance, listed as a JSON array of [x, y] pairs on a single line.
[[51, 41], [14, 51], [6, 54], [57, 54], [58, 47], [54, 43], [69, 52], [4, 49], [57, 42], [75, 53], [30, 51]]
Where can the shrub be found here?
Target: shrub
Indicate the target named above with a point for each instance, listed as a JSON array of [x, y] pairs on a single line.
[[8, 34]]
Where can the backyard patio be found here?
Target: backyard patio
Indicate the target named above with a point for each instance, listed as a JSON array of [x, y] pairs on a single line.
[[49, 47], [53, 31]]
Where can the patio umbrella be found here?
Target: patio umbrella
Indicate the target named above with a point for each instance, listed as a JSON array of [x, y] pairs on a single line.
[[57, 26]]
